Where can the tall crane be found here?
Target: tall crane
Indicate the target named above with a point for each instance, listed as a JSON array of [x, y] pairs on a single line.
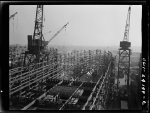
[[124, 58], [37, 43]]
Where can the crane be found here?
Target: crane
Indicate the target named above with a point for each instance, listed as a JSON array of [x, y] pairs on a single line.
[[125, 44], [13, 15], [124, 60], [36, 43], [58, 32]]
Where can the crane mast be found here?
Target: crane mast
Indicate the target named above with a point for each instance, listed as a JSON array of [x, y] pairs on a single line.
[[124, 61], [125, 44], [126, 33], [38, 23]]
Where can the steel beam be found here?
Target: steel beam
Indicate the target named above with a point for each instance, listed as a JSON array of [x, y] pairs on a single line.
[[61, 108], [30, 104]]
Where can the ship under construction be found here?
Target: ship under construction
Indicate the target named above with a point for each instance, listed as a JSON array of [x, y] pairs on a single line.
[[42, 78]]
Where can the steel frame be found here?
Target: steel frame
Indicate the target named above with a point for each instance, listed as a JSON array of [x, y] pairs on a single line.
[[43, 71], [124, 65]]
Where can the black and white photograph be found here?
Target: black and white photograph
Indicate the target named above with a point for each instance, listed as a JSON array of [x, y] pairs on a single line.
[[75, 57]]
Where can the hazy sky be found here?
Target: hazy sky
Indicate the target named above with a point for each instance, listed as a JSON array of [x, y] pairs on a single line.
[[89, 25]]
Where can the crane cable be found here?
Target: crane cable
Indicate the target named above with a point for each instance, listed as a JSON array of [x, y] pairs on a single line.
[[17, 23], [44, 14], [13, 24], [13, 27]]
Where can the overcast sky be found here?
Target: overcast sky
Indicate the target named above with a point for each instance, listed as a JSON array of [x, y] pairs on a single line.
[[89, 25]]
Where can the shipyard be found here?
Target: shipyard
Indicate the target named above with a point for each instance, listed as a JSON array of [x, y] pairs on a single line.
[[44, 75]]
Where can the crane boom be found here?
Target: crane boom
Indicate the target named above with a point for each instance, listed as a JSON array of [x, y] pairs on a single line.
[[126, 33], [38, 28], [13, 15], [58, 32]]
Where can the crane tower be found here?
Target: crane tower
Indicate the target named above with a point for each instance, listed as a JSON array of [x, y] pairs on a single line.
[[124, 56], [36, 50]]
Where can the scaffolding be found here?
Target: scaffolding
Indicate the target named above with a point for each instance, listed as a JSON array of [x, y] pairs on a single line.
[[74, 80]]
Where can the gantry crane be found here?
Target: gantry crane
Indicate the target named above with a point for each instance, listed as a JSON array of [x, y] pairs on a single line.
[[37, 45], [124, 56]]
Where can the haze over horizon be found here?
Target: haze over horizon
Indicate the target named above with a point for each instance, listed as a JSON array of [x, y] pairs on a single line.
[[89, 25]]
